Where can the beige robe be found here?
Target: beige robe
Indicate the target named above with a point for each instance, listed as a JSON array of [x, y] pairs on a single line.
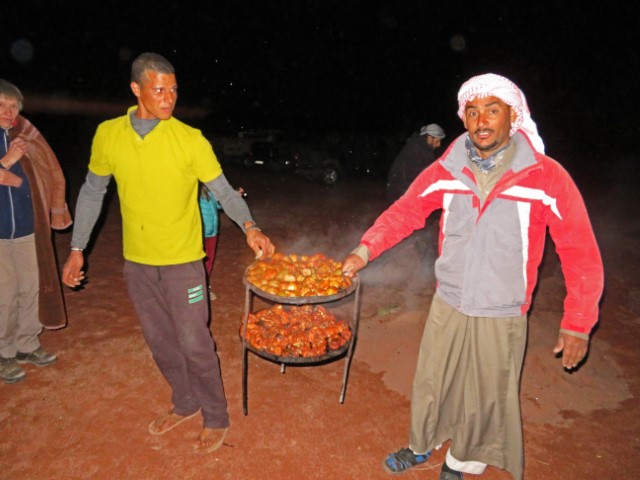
[[466, 388]]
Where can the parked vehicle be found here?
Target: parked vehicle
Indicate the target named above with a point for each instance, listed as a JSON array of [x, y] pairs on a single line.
[[270, 155], [316, 162], [325, 157], [237, 148], [337, 155], [367, 154]]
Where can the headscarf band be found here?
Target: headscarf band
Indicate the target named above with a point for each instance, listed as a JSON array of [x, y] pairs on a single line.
[[492, 85]]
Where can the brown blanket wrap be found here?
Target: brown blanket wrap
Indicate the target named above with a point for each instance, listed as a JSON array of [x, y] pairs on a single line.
[[48, 189]]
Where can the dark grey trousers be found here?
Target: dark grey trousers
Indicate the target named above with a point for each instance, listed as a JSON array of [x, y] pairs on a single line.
[[173, 309]]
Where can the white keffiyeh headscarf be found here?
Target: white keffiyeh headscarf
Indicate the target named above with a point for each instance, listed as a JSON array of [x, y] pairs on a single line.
[[492, 85]]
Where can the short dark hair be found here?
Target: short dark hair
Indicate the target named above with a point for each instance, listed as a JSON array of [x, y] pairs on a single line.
[[149, 61], [9, 90]]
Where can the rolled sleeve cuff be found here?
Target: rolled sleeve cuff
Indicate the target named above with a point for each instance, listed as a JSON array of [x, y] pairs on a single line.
[[583, 336], [363, 252]]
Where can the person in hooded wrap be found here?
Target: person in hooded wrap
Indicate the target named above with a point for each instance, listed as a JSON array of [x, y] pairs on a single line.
[[32, 203], [498, 193]]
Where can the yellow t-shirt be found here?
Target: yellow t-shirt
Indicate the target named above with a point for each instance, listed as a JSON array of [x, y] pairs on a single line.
[[157, 179]]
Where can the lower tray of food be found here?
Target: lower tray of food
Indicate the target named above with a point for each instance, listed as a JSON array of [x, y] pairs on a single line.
[[296, 334]]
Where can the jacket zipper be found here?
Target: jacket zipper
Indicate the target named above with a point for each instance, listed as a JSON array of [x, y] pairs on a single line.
[[502, 185], [11, 209]]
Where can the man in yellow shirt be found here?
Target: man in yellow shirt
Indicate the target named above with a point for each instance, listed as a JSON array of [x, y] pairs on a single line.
[[157, 162]]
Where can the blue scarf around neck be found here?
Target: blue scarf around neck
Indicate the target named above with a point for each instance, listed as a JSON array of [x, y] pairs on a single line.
[[484, 164]]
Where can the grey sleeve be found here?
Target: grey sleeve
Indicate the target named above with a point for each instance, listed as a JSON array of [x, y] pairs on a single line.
[[88, 207], [231, 201]]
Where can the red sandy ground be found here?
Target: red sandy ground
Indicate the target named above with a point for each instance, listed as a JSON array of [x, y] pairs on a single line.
[[86, 417]]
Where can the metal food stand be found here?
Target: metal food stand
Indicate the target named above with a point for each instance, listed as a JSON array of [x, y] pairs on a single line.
[[345, 350]]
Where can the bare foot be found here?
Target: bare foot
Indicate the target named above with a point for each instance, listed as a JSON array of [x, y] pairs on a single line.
[[210, 439], [168, 421]]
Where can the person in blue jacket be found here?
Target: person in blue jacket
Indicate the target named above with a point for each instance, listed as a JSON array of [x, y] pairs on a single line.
[[209, 207]]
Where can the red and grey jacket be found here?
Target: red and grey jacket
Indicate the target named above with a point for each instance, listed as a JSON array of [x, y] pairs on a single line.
[[489, 253]]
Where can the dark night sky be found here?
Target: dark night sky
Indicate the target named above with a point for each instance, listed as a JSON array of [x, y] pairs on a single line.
[[379, 65]]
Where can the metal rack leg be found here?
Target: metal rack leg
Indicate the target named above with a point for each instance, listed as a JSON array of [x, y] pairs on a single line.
[[245, 359], [345, 376], [356, 317], [244, 379]]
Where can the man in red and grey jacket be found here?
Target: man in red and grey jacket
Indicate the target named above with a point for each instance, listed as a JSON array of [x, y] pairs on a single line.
[[498, 194]]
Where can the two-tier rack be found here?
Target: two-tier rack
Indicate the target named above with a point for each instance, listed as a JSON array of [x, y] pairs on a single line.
[[345, 351]]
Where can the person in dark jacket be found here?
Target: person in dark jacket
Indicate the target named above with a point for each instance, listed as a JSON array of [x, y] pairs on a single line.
[[416, 155]]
